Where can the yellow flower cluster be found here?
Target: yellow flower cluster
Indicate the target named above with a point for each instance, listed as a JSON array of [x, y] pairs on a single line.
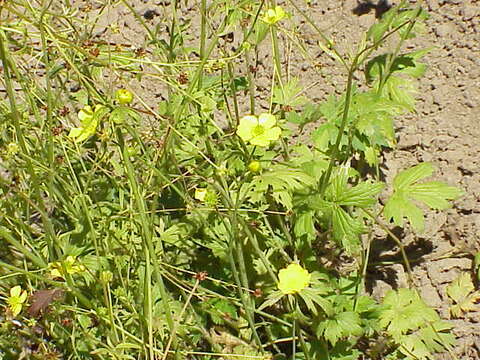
[[123, 96]]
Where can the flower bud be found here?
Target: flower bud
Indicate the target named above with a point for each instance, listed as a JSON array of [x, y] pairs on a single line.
[[254, 166], [246, 45], [123, 96]]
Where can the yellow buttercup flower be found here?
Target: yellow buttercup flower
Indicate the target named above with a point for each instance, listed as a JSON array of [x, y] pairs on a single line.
[[259, 130], [206, 196], [272, 16], [89, 120], [123, 96], [200, 194], [293, 279], [16, 299], [57, 267]]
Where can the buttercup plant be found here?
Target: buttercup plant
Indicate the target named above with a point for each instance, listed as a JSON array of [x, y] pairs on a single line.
[[200, 194], [254, 166], [70, 265], [123, 96], [182, 228]]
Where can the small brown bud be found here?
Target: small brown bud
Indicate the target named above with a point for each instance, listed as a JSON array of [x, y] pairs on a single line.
[[200, 276], [258, 293]]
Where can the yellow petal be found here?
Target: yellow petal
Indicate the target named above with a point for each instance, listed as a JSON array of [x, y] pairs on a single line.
[[246, 126], [200, 194], [55, 273], [279, 13], [85, 113], [23, 297], [75, 132], [15, 291], [260, 140], [16, 309], [268, 136], [273, 133], [269, 16], [267, 120]]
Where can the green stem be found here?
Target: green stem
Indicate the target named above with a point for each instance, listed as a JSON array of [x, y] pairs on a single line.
[[276, 55], [251, 81], [397, 241], [16, 117], [335, 151], [391, 57], [203, 37], [146, 230], [28, 253]]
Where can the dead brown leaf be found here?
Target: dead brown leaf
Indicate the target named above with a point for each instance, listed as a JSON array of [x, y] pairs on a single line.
[[41, 299]]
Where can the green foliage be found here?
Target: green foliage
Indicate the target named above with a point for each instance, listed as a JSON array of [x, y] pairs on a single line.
[[288, 94], [406, 188], [476, 265], [280, 182], [413, 325], [309, 114], [335, 207], [405, 311], [462, 292], [341, 325]]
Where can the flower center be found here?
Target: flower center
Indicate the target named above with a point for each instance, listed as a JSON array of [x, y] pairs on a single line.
[[258, 130]]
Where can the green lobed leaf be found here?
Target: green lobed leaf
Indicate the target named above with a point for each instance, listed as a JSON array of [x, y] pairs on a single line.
[[346, 229], [288, 94], [361, 195], [341, 325], [414, 348], [461, 291], [434, 194], [324, 136], [410, 15], [272, 299], [412, 175], [377, 30], [373, 117], [399, 207], [313, 296], [401, 90], [405, 311], [221, 308], [305, 225], [281, 181], [437, 336]]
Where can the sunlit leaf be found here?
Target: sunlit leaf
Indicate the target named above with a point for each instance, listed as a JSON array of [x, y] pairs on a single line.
[[434, 194]]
